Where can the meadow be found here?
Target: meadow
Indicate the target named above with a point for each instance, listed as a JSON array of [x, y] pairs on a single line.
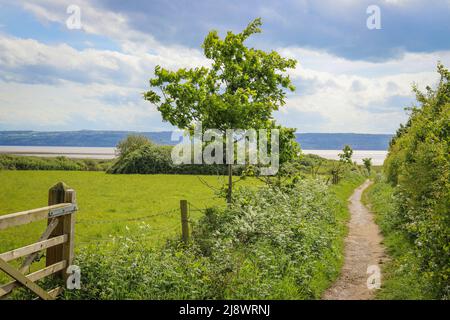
[[109, 205]]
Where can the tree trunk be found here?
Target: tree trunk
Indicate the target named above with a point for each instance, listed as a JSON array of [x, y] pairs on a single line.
[[230, 183]]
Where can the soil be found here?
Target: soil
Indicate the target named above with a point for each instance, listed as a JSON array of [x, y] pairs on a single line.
[[364, 254]]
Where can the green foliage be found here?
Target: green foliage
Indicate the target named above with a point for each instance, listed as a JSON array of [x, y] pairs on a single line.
[[11, 162], [146, 157], [289, 147], [131, 143], [403, 276], [268, 244], [345, 164], [418, 164], [315, 165], [155, 159], [239, 91], [346, 155], [367, 164]]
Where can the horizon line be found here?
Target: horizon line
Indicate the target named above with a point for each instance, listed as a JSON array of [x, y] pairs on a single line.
[[165, 131]]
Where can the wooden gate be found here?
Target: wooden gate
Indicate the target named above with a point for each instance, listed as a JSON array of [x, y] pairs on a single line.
[[57, 240]]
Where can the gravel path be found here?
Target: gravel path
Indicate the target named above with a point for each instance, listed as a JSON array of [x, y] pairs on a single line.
[[364, 254]]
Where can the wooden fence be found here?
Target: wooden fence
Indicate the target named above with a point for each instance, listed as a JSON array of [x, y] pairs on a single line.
[[57, 240]]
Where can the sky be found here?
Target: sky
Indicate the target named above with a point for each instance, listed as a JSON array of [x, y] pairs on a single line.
[[58, 74]]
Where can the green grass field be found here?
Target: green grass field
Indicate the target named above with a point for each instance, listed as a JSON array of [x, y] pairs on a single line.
[[115, 206], [106, 202]]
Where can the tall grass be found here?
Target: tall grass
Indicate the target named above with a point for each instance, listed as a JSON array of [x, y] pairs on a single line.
[[403, 275]]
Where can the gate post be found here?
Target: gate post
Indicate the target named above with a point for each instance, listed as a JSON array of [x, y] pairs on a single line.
[[60, 193]]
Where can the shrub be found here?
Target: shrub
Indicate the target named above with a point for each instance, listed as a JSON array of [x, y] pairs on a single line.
[[403, 269], [418, 164], [148, 158], [131, 143], [152, 159], [11, 162]]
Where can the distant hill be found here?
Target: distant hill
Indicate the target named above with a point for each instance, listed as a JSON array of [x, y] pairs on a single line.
[[336, 141], [88, 138]]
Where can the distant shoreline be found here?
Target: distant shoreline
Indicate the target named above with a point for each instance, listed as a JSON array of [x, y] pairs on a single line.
[[109, 139], [377, 156]]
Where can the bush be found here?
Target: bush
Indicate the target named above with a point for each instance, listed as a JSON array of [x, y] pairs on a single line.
[[418, 165], [148, 158], [11, 162], [152, 159], [131, 143], [403, 269]]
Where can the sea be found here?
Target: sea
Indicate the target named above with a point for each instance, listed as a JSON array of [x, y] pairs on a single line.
[[377, 156]]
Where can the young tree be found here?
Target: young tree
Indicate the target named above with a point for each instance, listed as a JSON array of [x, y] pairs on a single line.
[[240, 90], [346, 155], [367, 164]]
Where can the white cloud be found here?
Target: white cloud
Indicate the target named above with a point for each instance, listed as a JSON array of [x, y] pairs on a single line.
[[86, 88], [101, 88], [68, 104], [365, 107], [98, 21], [92, 64]]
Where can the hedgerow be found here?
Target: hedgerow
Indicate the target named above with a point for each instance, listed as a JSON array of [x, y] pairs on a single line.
[[418, 165], [12, 162]]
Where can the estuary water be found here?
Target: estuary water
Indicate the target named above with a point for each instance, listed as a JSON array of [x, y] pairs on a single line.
[[377, 156]]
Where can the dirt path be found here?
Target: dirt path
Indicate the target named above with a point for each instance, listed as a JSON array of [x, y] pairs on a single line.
[[363, 250]]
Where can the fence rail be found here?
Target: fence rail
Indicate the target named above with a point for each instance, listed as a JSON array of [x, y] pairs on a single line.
[[57, 240], [25, 217]]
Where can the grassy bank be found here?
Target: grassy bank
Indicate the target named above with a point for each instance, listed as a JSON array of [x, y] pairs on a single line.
[[402, 275], [301, 268], [109, 205]]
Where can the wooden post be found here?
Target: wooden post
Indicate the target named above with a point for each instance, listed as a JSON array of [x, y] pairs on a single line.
[[56, 194], [60, 193], [184, 221], [230, 183], [69, 230]]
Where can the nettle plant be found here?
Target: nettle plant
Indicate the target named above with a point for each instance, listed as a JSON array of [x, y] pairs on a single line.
[[240, 90]]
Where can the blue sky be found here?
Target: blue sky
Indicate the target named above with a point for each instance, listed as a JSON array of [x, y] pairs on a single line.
[[349, 78]]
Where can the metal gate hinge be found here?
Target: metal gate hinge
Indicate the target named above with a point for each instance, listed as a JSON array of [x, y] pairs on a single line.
[[62, 211]]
